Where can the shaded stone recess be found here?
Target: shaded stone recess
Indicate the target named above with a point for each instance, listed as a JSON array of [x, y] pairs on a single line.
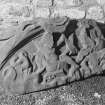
[[57, 52]]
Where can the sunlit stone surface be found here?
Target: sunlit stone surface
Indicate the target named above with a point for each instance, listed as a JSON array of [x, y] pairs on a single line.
[[71, 13], [95, 12], [5, 47], [41, 12], [42, 3], [75, 13], [101, 2], [52, 44], [14, 13], [68, 3], [55, 58]]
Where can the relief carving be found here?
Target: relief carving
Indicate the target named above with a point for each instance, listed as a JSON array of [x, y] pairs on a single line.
[[60, 58]]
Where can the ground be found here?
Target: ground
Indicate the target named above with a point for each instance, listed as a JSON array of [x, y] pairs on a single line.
[[87, 92]]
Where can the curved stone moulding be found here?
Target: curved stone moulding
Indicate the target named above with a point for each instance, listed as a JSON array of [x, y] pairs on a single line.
[[29, 35], [59, 21], [5, 47], [19, 33], [17, 47], [57, 24], [25, 29]]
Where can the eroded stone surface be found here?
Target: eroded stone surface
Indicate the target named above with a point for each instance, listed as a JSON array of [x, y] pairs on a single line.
[[95, 12], [14, 13], [73, 13], [16, 74], [5, 47], [44, 3], [67, 3], [60, 57], [42, 12]]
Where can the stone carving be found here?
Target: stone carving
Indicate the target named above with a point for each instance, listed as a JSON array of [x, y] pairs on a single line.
[[17, 72], [60, 58], [26, 34]]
